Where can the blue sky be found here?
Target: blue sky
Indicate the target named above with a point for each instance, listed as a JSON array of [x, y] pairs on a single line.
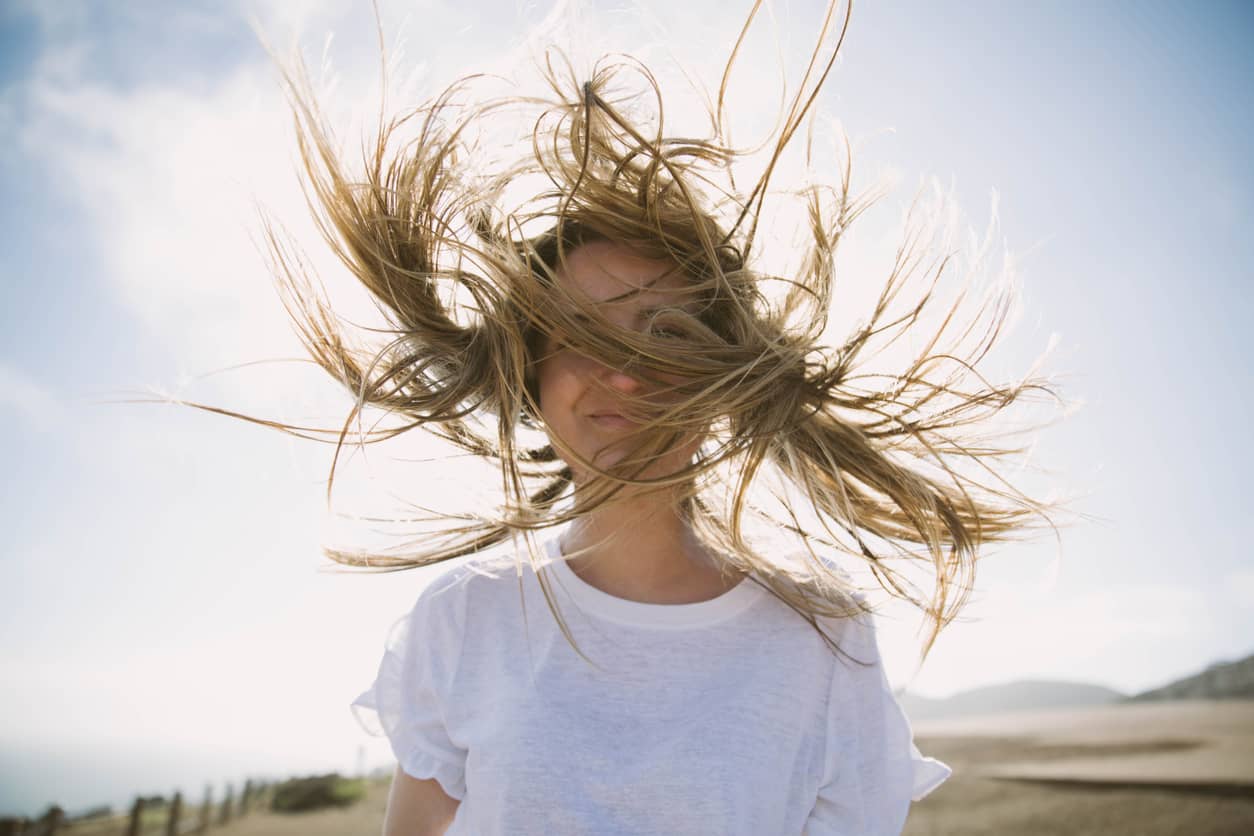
[[161, 567]]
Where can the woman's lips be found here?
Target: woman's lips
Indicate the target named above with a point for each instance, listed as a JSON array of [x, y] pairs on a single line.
[[613, 421]]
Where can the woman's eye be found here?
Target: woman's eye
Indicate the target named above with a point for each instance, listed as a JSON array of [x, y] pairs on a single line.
[[667, 333]]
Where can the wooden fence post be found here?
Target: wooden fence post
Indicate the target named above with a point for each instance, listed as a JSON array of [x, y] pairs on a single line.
[[176, 812], [137, 818], [226, 806], [206, 810]]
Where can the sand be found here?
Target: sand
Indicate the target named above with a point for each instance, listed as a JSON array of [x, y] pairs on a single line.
[[365, 818], [1154, 768]]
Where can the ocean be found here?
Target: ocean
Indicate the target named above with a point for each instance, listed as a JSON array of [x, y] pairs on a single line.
[[81, 776]]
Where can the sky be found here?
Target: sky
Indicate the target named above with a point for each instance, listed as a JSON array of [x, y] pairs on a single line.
[[165, 595]]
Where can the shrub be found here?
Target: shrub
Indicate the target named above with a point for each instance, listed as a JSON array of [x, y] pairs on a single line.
[[316, 792], [102, 811]]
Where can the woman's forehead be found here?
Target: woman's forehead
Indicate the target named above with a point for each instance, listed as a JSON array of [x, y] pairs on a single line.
[[607, 272]]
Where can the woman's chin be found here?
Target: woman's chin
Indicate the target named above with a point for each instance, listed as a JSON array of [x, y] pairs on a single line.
[[615, 462]]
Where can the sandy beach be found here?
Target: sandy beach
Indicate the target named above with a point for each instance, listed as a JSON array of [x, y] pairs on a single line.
[[1149, 768], [1156, 769]]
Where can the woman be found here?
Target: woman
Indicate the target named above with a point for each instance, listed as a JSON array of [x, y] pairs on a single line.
[[655, 400]]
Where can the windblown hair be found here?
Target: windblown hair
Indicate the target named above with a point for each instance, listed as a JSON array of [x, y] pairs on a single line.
[[891, 470]]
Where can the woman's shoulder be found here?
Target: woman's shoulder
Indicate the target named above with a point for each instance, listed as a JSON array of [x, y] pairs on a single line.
[[820, 578], [486, 574], [839, 606]]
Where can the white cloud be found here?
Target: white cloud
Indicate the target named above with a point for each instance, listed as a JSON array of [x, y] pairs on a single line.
[[32, 401], [167, 178], [1239, 586], [169, 175]]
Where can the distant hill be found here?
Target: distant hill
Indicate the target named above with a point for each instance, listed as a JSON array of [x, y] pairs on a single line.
[[1012, 696], [1222, 680]]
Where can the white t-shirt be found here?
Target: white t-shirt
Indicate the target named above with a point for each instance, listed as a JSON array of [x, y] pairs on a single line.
[[727, 716]]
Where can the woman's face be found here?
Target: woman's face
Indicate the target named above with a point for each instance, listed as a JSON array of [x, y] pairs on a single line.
[[583, 403]]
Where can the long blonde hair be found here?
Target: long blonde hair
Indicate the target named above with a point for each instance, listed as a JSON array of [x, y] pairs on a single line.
[[896, 470]]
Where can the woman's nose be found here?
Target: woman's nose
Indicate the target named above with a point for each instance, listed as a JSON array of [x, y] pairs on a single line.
[[620, 380]]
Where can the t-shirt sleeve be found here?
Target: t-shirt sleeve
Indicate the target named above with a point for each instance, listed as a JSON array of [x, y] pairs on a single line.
[[873, 770], [408, 698]]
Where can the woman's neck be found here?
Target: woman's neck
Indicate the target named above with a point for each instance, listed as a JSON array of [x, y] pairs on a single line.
[[642, 549]]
